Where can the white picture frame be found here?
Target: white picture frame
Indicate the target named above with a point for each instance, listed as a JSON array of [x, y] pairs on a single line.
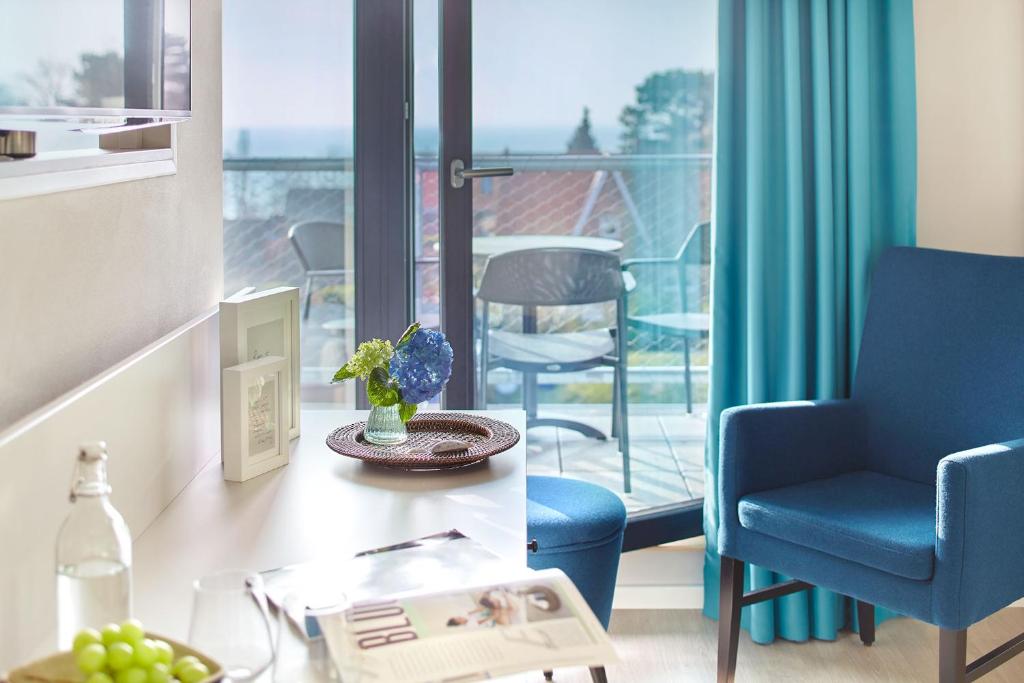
[[257, 324], [254, 408]]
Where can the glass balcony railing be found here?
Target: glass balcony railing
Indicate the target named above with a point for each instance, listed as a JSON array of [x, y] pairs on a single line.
[[649, 203]]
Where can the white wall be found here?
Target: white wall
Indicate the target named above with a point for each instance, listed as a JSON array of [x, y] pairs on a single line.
[[970, 118], [89, 277]]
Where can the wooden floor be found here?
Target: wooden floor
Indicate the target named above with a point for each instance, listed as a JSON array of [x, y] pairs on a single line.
[[680, 645], [666, 451]]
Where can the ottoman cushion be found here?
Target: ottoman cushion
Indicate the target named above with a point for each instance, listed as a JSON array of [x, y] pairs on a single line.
[[578, 528]]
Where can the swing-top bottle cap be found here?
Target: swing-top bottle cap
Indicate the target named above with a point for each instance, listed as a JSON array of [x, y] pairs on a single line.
[[92, 451]]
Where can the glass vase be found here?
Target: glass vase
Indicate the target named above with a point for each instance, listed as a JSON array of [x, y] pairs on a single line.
[[384, 427]]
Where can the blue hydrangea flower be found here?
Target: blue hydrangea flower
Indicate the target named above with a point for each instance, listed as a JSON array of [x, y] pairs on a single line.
[[422, 366]]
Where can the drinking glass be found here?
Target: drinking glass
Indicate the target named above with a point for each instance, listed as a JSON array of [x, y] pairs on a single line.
[[230, 623], [299, 658]]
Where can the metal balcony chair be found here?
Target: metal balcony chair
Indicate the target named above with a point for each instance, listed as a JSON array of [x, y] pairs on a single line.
[[683, 322], [532, 278], [320, 247]]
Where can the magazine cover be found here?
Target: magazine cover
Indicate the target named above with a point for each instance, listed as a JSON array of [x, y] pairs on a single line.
[[469, 633], [436, 562]]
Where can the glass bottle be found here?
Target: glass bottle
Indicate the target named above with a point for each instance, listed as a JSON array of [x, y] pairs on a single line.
[[94, 553]]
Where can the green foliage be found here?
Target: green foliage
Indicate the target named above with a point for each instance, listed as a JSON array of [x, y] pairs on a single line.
[[406, 410], [381, 390], [372, 363], [407, 335], [100, 77], [369, 356], [582, 140], [331, 294], [343, 374], [672, 114]]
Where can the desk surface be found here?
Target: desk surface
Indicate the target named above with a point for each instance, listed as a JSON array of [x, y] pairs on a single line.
[[321, 506]]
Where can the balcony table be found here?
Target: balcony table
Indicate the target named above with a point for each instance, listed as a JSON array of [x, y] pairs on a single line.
[[499, 244], [321, 506]]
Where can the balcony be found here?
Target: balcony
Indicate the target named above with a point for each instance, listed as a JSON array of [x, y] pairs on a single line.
[[646, 202]]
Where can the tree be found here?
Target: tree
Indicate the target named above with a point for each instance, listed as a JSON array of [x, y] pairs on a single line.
[[49, 84], [582, 140], [99, 79], [672, 114]]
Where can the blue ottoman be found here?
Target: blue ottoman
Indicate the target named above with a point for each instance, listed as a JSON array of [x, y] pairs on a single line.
[[577, 528]]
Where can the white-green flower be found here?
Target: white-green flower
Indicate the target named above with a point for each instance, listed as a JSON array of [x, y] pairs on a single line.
[[372, 354]]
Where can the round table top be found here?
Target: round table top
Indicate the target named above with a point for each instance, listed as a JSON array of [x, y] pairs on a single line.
[[499, 244]]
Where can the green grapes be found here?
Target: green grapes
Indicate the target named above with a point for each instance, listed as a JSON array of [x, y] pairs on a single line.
[[87, 636], [145, 653], [164, 652], [91, 658], [193, 672], [182, 663], [133, 675], [110, 634], [132, 631], [159, 673], [121, 653], [120, 656]]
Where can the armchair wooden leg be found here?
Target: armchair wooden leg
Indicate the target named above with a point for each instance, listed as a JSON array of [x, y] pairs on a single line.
[[730, 601], [952, 656], [549, 675], [866, 621], [597, 674]]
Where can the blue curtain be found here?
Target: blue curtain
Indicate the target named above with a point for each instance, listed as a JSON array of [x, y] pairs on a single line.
[[815, 174]]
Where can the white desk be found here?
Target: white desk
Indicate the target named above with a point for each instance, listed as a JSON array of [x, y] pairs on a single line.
[[321, 506]]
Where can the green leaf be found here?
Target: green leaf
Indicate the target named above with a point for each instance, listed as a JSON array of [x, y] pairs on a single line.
[[407, 335], [379, 389], [406, 410], [343, 374]]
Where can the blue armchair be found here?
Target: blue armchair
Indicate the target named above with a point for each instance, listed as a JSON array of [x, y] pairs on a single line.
[[910, 494]]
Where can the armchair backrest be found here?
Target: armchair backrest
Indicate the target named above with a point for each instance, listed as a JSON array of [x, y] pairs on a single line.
[[941, 364], [554, 276], [320, 245]]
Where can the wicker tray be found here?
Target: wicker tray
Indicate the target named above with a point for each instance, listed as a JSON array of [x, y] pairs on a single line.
[[486, 437]]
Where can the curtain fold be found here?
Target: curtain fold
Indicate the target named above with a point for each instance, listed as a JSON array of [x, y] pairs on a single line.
[[815, 174]]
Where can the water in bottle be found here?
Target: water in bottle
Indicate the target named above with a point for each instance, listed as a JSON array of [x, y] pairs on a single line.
[[94, 553]]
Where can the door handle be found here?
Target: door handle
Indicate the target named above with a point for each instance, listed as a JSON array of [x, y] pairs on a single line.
[[459, 172]]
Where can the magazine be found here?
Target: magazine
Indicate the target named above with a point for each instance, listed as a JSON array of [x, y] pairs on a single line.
[[467, 633], [439, 561]]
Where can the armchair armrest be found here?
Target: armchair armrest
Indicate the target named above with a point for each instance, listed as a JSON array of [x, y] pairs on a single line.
[[652, 261], [979, 545], [770, 445]]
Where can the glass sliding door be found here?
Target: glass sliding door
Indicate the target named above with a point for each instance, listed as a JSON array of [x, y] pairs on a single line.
[[576, 288], [426, 213], [603, 108], [288, 169]]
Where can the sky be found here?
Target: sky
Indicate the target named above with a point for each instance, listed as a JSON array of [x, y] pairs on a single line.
[[60, 31], [536, 63]]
